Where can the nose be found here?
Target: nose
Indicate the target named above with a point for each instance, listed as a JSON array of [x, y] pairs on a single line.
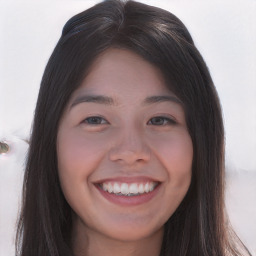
[[129, 148]]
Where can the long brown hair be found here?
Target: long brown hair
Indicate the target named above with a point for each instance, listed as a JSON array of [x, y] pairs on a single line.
[[199, 225]]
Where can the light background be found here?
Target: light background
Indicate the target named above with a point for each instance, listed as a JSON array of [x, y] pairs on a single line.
[[223, 31]]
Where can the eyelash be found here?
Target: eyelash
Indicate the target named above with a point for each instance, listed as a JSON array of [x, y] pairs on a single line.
[[165, 120], [95, 118]]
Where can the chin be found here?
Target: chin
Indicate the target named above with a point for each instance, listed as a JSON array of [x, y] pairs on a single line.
[[132, 232]]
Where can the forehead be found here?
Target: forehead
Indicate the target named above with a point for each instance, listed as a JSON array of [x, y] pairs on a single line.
[[122, 73]]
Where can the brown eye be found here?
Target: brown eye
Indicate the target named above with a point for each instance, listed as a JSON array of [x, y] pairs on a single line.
[[95, 120], [160, 120]]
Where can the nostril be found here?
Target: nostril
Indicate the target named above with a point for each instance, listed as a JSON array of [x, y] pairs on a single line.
[[129, 157], [4, 148]]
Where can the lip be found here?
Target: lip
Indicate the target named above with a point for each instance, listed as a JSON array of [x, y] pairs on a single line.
[[128, 180], [128, 200]]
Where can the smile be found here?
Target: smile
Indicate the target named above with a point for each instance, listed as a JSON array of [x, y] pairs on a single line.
[[125, 189], [129, 191]]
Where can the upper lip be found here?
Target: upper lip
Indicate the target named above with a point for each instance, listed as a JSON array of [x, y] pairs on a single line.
[[128, 180]]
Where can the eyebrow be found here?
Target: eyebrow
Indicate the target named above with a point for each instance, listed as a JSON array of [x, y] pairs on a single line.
[[105, 100], [93, 98], [164, 98]]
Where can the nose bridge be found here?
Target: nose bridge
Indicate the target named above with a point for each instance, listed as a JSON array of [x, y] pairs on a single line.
[[130, 146]]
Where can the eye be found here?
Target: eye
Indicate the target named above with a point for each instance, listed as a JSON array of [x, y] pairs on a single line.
[[161, 120], [95, 120]]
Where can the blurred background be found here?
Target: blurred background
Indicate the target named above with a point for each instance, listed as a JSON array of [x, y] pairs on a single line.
[[225, 34]]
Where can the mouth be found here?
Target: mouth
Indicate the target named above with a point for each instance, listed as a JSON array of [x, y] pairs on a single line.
[[126, 189], [128, 192]]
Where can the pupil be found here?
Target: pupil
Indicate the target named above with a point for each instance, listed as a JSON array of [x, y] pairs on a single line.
[[157, 120], [94, 120]]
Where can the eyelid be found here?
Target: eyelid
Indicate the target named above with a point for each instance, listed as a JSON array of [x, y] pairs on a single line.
[[171, 120], [85, 121]]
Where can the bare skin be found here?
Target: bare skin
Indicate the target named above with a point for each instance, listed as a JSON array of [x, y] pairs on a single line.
[[124, 157], [92, 243]]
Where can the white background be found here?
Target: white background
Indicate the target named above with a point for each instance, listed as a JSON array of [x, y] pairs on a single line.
[[223, 31]]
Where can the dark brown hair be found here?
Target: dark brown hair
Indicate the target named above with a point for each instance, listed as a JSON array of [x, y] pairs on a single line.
[[199, 225]]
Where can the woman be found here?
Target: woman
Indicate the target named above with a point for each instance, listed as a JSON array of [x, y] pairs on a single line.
[[127, 151]]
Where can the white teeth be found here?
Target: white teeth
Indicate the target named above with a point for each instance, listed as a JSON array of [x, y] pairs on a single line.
[[110, 188], [147, 188], [133, 189], [117, 188], [141, 188], [124, 189], [128, 189], [105, 186]]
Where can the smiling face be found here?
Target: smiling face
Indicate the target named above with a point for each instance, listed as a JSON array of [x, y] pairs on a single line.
[[124, 151]]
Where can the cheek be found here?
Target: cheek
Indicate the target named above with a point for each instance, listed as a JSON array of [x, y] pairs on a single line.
[[175, 152], [78, 154], [78, 157]]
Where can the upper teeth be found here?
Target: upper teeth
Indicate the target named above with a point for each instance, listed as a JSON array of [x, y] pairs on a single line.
[[128, 189]]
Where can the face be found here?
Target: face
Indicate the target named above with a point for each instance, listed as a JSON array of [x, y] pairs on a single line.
[[124, 151]]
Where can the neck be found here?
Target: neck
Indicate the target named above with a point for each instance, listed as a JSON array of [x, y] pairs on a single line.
[[88, 242]]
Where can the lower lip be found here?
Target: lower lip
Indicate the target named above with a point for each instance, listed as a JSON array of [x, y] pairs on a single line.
[[129, 200]]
